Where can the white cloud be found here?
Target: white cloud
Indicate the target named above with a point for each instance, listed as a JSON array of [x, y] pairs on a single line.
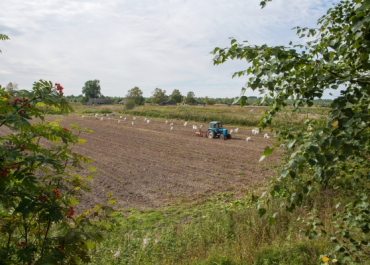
[[162, 43]]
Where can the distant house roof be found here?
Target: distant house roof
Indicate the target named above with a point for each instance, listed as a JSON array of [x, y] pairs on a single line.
[[167, 102], [97, 101], [122, 102]]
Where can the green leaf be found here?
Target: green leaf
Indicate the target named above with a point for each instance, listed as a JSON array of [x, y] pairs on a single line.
[[261, 212]]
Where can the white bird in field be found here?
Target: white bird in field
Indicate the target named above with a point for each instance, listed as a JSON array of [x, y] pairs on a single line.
[[132, 123], [255, 131], [171, 124], [106, 115], [195, 127], [82, 116], [166, 122], [185, 123], [119, 121], [248, 139], [148, 121], [120, 117], [201, 126], [101, 119], [236, 130], [145, 119], [134, 118], [171, 128], [96, 114], [124, 119], [252, 110], [266, 136], [109, 118], [231, 131]]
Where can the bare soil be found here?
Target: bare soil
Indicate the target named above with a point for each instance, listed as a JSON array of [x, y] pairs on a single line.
[[147, 165]]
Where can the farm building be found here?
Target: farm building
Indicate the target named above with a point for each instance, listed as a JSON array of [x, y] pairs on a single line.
[[122, 102], [98, 101], [167, 102]]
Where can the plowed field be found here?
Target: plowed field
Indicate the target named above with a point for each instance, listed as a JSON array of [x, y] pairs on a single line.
[[147, 165]]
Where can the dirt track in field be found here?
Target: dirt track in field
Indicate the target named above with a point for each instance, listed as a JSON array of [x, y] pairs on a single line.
[[147, 165]]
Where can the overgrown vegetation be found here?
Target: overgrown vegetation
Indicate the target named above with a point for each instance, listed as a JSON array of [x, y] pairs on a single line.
[[329, 157], [40, 185], [223, 230]]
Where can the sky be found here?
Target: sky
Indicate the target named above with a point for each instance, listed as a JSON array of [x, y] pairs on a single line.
[[144, 43]]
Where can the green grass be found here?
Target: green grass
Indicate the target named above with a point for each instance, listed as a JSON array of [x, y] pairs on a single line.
[[233, 115], [219, 231]]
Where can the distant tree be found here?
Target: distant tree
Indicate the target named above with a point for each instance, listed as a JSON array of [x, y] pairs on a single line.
[[190, 98], [209, 101], [12, 88], [158, 96], [176, 96], [83, 99], [92, 89], [129, 104], [136, 95]]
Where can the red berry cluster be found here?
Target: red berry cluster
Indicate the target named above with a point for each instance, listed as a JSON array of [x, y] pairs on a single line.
[[5, 171], [21, 111], [42, 198], [20, 244], [61, 247], [22, 147], [56, 192], [65, 129], [59, 88], [71, 212], [22, 101]]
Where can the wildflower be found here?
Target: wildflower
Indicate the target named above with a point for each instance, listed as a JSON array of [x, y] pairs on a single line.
[[71, 212], [325, 259]]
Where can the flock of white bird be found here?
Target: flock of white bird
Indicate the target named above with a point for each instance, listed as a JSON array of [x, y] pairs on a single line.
[[255, 131]]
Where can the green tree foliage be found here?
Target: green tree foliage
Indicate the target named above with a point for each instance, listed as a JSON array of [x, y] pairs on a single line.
[[176, 96], [190, 98], [158, 96], [92, 89], [12, 88], [135, 95], [3, 37], [129, 104], [330, 155], [39, 182], [209, 101]]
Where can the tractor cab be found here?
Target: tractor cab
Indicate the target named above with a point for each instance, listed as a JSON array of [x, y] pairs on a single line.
[[215, 129]]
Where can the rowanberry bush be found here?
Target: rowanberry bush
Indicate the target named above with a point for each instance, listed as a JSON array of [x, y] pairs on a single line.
[[39, 182]]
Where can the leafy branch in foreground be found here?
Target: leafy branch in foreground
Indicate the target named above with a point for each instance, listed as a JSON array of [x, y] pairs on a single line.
[[39, 184], [327, 155]]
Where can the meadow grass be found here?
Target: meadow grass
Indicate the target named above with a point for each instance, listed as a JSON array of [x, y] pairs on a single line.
[[233, 115], [222, 230]]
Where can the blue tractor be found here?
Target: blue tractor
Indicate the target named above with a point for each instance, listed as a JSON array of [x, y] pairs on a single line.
[[215, 130]]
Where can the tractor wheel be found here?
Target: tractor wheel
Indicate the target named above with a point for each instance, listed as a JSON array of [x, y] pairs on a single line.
[[229, 136], [210, 134], [222, 137]]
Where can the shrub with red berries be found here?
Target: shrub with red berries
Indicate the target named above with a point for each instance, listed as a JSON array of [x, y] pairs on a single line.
[[31, 202], [59, 88], [71, 212]]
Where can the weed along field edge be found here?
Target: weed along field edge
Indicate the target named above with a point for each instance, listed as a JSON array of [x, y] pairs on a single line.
[[147, 165]]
